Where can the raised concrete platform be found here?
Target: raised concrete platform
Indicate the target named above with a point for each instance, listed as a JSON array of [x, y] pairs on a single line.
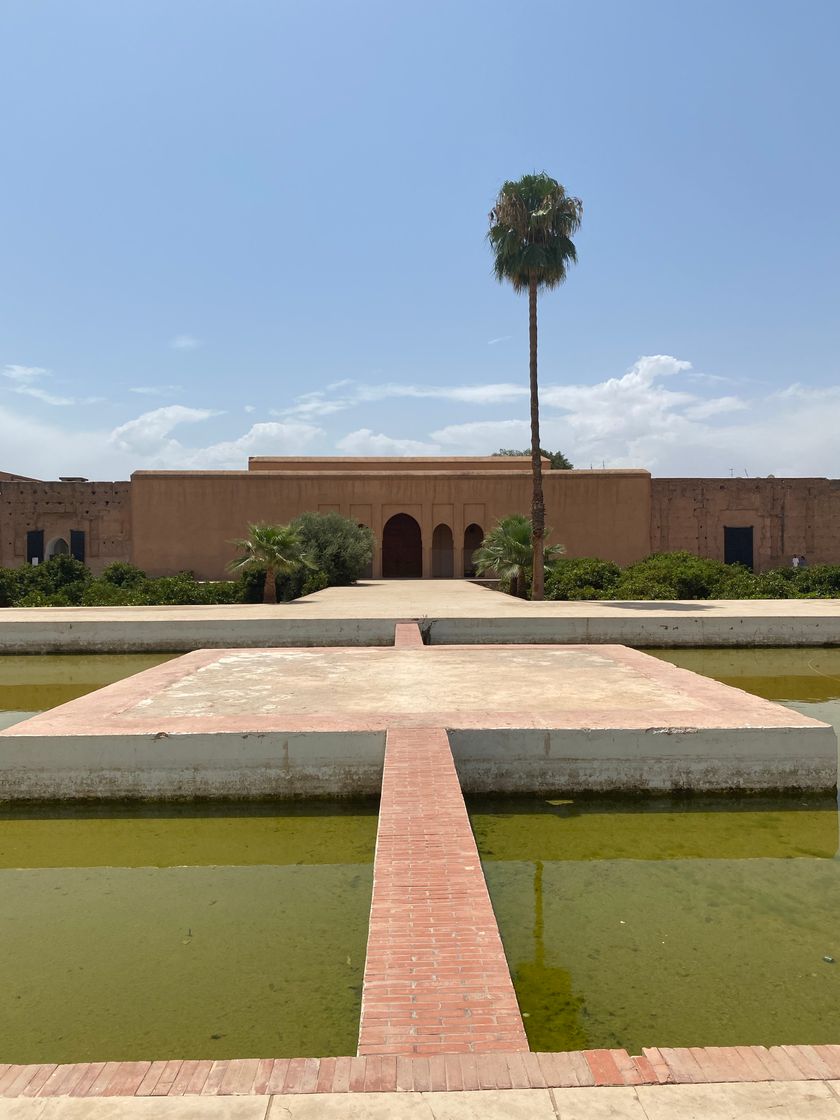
[[309, 722], [449, 611]]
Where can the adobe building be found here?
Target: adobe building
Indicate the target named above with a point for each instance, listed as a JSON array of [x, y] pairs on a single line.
[[427, 515]]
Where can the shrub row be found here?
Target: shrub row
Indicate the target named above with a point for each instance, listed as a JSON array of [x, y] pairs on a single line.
[[65, 582], [680, 575]]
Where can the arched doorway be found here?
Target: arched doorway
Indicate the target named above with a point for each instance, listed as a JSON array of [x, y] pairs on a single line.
[[443, 553], [58, 546], [473, 536], [402, 548]]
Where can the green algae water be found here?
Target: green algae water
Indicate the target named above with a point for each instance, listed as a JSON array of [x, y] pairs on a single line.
[[183, 932], [34, 683], [663, 923], [807, 680]]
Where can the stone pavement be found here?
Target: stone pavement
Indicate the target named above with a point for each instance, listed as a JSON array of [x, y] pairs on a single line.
[[781, 1100]]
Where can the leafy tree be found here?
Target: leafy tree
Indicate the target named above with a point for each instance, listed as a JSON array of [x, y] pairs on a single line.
[[558, 460], [273, 549], [531, 228], [338, 546], [508, 551]]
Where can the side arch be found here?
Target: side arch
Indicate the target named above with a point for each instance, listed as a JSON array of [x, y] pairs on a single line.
[[473, 536], [443, 553]]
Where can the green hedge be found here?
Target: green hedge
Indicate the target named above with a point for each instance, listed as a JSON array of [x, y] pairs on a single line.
[[65, 582], [681, 575]]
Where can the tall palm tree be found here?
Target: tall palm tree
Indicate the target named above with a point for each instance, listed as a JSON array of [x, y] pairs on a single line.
[[508, 551], [531, 227], [273, 549]]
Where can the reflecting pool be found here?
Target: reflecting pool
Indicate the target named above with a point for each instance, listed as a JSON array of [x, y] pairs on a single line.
[[807, 680], [162, 931], [34, 683], [675, 923]]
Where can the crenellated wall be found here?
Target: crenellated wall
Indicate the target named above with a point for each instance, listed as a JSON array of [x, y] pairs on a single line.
[[99, 510]]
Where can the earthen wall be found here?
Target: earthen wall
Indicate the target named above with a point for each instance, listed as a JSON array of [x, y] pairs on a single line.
[[100, 510], [789, 517], [188, 519]]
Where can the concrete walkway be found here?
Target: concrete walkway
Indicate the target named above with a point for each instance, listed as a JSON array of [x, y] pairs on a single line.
[[450, 611]]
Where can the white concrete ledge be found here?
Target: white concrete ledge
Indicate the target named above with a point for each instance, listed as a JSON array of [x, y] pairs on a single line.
[[450, 611]]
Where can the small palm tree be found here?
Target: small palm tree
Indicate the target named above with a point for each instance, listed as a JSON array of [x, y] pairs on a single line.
[[531, 229], [273, 549], [508, 551]]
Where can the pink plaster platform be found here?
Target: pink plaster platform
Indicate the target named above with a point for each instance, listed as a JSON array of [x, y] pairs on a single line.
[[310, 722]]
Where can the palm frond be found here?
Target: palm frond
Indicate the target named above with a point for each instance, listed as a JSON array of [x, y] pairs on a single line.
[[531, 228], [276, 548]]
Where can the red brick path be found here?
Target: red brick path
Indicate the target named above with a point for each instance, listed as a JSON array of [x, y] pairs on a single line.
[[436, 978], [407, 636], [382, 1074]]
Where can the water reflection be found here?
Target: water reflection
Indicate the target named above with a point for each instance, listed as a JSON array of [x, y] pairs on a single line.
[[670, 924]]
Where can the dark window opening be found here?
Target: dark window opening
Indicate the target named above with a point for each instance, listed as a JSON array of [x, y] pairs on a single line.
[[738, 546]]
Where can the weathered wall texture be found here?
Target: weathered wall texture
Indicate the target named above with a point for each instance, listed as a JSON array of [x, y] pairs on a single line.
[[187, 519], [101, 510], [167, 521], [789, 517]]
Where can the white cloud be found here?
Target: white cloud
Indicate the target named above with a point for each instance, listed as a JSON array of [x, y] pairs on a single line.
[[366, 442], [147, 433], [269, 438], [24, 382], [24, 375], [647, 417], [483, 437], [716, 407], [156, 390], [45, 450], [148, 438], [319, 403], [501, 338], [43, 395], [185, 342]]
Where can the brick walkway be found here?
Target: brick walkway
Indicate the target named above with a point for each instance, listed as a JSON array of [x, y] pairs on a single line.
[[436, 977], [442, 1072]]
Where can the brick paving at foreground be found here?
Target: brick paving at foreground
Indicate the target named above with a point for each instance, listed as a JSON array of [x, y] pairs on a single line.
[[438, 1073], [436, 977]]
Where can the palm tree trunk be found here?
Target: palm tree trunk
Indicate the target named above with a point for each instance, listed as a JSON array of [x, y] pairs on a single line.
[[537, 501], [270, 588]]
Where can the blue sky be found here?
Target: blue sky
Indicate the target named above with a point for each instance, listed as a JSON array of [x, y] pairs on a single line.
[[258, 227]]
